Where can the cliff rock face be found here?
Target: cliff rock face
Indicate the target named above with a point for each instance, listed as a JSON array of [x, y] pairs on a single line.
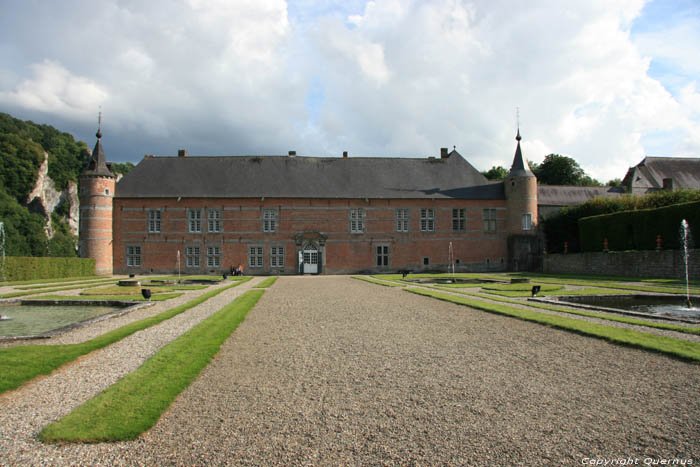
[[44, 199]]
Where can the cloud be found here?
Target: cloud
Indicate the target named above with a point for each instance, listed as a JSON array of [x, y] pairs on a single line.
[[54, 89], [396, 77]]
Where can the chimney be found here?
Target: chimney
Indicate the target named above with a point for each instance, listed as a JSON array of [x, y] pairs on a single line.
[[181, 153], [443, 153], [292, 153], [668, 184], [345, 154]]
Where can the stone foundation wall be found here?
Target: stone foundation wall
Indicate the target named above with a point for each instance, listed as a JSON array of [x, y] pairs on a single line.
[[662, 264]]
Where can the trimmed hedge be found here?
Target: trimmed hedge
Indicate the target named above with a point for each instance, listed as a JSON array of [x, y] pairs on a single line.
[[637, 230], [22, 268], [563, 227]]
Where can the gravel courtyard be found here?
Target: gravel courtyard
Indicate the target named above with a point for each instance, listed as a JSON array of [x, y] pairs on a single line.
[[331, 370]]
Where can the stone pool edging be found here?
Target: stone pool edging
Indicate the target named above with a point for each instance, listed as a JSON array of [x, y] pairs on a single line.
[[126, 307]]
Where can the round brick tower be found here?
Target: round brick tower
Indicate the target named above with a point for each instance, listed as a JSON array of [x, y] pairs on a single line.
[[97, 184], [521, 196]]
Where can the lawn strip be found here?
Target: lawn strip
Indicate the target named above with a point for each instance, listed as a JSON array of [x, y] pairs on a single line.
[[48, 281], [59, 289], [379, 282], [266, 283], [613, 285], [23, 363], [134, 404], [588, 314], [159, 297], [675, 347], [46, 286]]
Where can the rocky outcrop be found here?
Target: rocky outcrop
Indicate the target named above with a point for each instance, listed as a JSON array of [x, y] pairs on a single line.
[[44, 199]]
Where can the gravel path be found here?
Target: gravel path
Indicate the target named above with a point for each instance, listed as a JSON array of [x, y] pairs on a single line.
[[24, 412], [330, 370]]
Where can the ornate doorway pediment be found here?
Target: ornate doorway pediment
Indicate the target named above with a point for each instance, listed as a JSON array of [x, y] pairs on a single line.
[[310, 236]]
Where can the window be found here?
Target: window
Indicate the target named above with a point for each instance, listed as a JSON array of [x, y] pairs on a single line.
[[213, 256], [214, 220], [489, 220], [459, 220], [255, 256], [427, 220], [154, 217], [426, 260], [402, 220], [195, 220], [192, 256], [382, 255], [269, 220], [133, 256], [277, 256], [357, 221], [527, 221]]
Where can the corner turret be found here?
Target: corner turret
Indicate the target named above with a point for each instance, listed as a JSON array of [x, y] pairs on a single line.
[[96, 192], [521, 195]]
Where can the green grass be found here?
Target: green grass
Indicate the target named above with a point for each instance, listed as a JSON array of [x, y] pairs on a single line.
[[120, 290], [266, 283], [134, 404], [379, 282], [49, 281], [667, 345], [58, 289], [161, 297], [590, 314], [461, 275], [46, 286], [610, 284], [521, 287], [23, 363]]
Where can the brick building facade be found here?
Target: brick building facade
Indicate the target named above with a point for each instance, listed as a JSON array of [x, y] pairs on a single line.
[[293, 214]]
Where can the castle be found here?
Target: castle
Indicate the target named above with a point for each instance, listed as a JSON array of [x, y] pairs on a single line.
[[312, 215]]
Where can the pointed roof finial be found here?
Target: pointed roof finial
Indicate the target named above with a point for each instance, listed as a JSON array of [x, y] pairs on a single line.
[[517, 121], [99, 124]]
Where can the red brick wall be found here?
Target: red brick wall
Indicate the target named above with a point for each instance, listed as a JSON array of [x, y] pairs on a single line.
[[95, 230], [342, 251]]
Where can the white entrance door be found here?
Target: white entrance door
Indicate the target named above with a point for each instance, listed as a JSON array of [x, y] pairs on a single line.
[[310, 261]]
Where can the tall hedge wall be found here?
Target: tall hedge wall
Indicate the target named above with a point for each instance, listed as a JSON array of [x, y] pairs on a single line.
[[637, 230], [22, 268]]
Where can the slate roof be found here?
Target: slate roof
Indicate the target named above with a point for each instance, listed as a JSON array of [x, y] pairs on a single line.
[[649, 174], [307, 177], [520, 168], [97, 163], [556, 195]]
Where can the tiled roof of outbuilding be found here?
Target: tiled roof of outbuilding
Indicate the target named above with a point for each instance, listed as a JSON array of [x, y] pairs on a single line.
[[307, 177], [557, 195], [650, 173]]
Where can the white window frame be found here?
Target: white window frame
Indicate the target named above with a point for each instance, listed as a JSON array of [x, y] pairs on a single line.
[[490, 217], [427, 220], [527, 221], [382, 256], [269, 218], [213, 256], [357, 220], [193, 256], [133, 256], [277, 256], [459, 219], [154, 220], [214, 220], [194, 218], [401, 219], [256, 257]]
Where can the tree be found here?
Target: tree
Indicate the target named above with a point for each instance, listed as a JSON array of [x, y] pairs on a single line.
[[496, 173], [562, 170]]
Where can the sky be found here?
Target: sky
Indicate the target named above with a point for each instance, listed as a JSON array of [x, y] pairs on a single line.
[[606, 82]]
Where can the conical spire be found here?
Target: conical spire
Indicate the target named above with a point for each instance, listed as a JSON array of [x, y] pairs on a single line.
[[519, 167], [97, 164]]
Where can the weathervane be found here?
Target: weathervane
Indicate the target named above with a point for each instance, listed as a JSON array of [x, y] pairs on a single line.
[[99, 124]]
